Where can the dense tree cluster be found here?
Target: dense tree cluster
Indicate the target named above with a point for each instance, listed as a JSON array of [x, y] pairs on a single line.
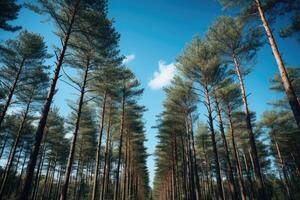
[[233, 155], [98, 151]]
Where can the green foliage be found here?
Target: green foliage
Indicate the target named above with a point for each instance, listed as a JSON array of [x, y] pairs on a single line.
[[9, 11]]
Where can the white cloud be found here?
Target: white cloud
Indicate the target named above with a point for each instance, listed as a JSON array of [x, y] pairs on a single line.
[[128, 59], [163, 76]]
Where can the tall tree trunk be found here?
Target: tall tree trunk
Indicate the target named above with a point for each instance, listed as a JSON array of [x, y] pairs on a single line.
[[105, 196], [98, 153], [289, 90], [194, 159], [106, 158], [260, 184], [184, 173], [3, 145], [12, 187], [236, 156], [64, 190], [59, 183], [78, 169], [39, 171], [282, 165], [116, 189], [214, 144], [24, 195], [11, 92], [226, 150], [249, 177], [52, 181], [44, 191], [190, 159], [125, 169], [14, 148], [21, 174]]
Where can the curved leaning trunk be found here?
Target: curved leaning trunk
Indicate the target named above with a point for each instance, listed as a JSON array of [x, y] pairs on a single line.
[[24, 195], [64, 190], [288, 88], [260, 183], [11, 91]]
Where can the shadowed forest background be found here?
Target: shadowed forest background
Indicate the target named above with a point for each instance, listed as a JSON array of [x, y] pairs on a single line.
[[208, 141]]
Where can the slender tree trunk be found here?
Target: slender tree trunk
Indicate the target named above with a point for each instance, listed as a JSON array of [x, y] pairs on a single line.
[[21, 174], [184, 173], [226, 150], [14, 148], [249, 177], [12, 187], [52, 181], [98, 153], [24, 195], [213, 139], [289, 90], [3, 145], [260, 184], [39, 172], [194, 159], [46, 180], [64, 190], [194, 192], [282, 165], [116, 190], [125, 166], [107, 180], [59, 183], [236, 156], [106, 159], [11, 92], [78, 169]]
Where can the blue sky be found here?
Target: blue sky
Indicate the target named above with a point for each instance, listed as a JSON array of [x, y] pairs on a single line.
[[153, 33]]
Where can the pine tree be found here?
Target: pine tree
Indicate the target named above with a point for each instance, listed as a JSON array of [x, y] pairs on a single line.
[[200, 63], [260, 9], [228, 37], [66, 16], [26, 51], [30, 96], [9, 10], [129, 91]]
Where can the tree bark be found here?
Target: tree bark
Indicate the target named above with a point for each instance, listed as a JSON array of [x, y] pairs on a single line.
[[46, 180], [226, 149], [39, 172], [106, 159], [116, 189], [260, 184], [288, 88], [213, 139], [64, 190], [24, 195], [14, 148], [21, 174], [236, 156], [11, 91], [282, 165], [249, 177], [98, 153], [3, 145]]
